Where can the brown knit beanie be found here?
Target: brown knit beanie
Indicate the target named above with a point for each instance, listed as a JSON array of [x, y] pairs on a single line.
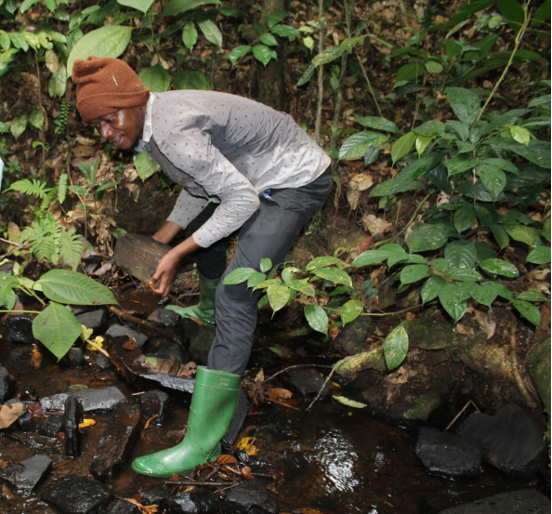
[[106, 85]]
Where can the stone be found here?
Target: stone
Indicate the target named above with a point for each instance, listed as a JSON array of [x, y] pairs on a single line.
[[77, 310], [116, 330], [52, 426], [29, 473], [74, 415], [95, 320], [26, 423], [152, 496], [251, 497], [167, 319], [352, 338], [197, 501], [154, 406], [122, 507], [103, 362], [199, 339], [448, 454], [20, 359], [164, 348], [526, 501], [512, 439], [78, 495], [101, 399], [21, 328], [307, 383], [4, 384], [117, 442], [74, 358], [28, 393]]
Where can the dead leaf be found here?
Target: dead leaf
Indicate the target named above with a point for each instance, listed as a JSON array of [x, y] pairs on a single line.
[[52, 61], [308, 510], [410, 315], [399, 377], [260, 376], [150, 509], [360, 182], [375, 225], [365, 244], [247, 444], [246, 473], [463, 329], [10, 412], [35, 410], [130, 344], [83, 151], [103, 270], [36, 358], [87, 423], [187, 370], [486, 322], [277, 393], [226, 459]]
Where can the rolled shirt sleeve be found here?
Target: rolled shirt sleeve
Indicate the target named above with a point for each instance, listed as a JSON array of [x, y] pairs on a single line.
[[216, 176]]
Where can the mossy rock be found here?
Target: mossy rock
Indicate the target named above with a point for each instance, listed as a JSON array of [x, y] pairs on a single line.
[[538, 360]]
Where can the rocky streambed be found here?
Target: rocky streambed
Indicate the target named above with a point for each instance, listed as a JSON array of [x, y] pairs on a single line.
[[70, 430]]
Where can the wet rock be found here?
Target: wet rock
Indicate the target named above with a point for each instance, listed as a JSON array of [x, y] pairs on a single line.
[[95, 320], [152, 496], [20, 360], [116, 330], [26, 423], [74, 358], [52, 426], [164, 348], [77, 310], [117, 442], [21, 328], [4, 384], [194, 502], [448, 454], [101, 399], [103, 362], [167, 319], [78, 495], [28, 393], [237, 421], [199, 339], [30, 440], [512, 439], [29, 473], [527, 501], [540, 369], [74, 415], [263, 358], [154, 406], [307, 383], [122, 507], [251, 497], [352, 338]]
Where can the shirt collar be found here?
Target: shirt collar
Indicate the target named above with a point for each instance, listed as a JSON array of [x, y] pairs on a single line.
[[148, 129]]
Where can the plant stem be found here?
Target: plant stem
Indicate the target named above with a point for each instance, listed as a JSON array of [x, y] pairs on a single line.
[[41, 107], [518, 39], [20, 312], [321, 35], [369, 84]]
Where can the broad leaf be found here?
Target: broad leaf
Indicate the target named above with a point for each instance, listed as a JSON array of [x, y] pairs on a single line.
[[528, 311], [265, 265], [145, 165], [302, 286], [108, 41], [255, 279], [454, 300], [57, 328], [465, 104], [531, 296], [336, 276], [238, 276], [264, 54], [238, 52], [324, 261], [527, 235], [395, 347], [499, 267], [492, 177], [156, 78], [139, 5], [411, 274], [189, 35], [351, 310], [37, 118], [459, 164], [268, 39], [58, 83], [464, 275], [278, 296], [74, 288], [18, 125], [432, 288], [317, 318], [464, 218], [428, 237], [180, 6], [431, 128], [191, 79], [360, 143], [540, 255], [461, 254], [211, 32], [402, 146], [371, 257], [328, 55], [285, 31], [377, 123], [349, 403]]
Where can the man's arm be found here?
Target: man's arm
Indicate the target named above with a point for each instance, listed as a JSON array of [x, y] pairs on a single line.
[[167, 232]]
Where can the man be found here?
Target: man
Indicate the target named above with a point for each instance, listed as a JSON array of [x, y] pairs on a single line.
[[243, 167]]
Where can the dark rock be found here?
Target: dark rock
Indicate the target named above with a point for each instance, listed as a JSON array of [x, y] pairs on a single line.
[[307, 383], [20, 360], [155, 403], [448, 454], [77, 310], [512, 439], [74, 415], [249, 498], [199, 339], [117, 442], [527, 501], [198, 501], [124, 330], [352, 338], [122, 507], [29, 473], [30, 441], [28, 393], [152, 496], [167, 319], [26, 423], [263, 358], [78, 495], [164, 348], [74, 358], [101, 399], [237, 421], [103, 362], [95, 320], [27, 300], [52, 426], [4, 384], [21, 328]]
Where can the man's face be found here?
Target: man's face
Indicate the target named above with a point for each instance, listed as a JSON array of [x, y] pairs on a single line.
[[121, 128]]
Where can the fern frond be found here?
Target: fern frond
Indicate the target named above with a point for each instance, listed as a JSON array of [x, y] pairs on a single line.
[[62, 187], [72, 247], [32, 187]]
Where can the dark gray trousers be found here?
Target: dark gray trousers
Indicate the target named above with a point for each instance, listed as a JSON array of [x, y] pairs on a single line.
[[269, 233]]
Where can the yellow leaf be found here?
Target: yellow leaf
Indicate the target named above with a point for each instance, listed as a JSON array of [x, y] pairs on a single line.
[[247, 444], [87, 423]]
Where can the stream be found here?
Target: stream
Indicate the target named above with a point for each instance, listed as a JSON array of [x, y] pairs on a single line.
[[331, 458]]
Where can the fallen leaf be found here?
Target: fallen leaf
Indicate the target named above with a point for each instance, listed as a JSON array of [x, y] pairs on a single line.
[[10, 412], [130, 345], [365, 244], [187, 370], [102, 270], [260, 376], [83, 151], [226, 459], [486, 322], [308, 510], [356, 185], [277, 393], [246, 473], [247, 444], [375, 225], [87, 423]]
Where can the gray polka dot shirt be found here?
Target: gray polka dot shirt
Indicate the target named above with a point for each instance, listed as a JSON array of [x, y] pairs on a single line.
[[227, 149]]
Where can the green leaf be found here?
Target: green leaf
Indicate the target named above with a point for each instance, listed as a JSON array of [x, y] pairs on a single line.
[[37, 118], [411, 274], [520, 134], [465, 104], [422, 143], [540, 255], [433, 67], [19, 41], [349, 403], [139, 5], [287, 273], [238, 52], [278, 296], [537, 152], [441, 264], [377, 123], [26, 5], [502, 164], [317, 318], [255, 279], [336, 276], [57, 328], [395, 347], [74, 288], [265, 265], [431, 128], [18, 126], [427, 237], [276, 17], [328, 55], [460, 163], [402, 146], [492, 177], [264, 54], [461, 254], [190, 79], [179, 6], [432, 288], [512, 13], [370, 257], [351, 310], [285, 31], [500, 235], [189, 35], [410, 71], [58, 83], [268, 39], [145, 165], [464, 218], [499, 267], [360, 143], [211, 32], [7, 297], [156, 78], [108, 41], [324, 261], [527, 235], [531, 296], [238, 276], [302, 286], [528, 311], [307, 75], [460, 128], [464, 275], [454, 301]]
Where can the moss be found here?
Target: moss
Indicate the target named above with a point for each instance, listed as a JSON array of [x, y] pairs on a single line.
[[539, 368]]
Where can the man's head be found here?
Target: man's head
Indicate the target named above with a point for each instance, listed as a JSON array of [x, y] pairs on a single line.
[[111, 97]]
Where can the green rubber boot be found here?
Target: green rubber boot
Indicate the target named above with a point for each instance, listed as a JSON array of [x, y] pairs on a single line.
[[213, 404], [205, 309]]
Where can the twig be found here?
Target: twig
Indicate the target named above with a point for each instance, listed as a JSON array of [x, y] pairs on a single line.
[[295, 366], [99, 348], [334, 367], [218, 484], [518, 39], [321, 35], [369, 85], [462, 412], [395, 313]]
